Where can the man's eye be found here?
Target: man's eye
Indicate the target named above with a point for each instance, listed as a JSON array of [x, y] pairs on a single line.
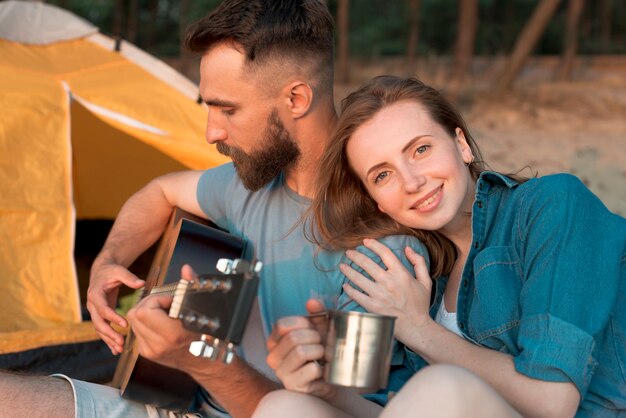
[[228, 111]]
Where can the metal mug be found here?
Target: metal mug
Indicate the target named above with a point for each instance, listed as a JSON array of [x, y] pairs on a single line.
[[358, 349]]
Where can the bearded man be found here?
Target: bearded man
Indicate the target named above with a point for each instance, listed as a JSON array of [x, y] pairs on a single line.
[[267, 79]]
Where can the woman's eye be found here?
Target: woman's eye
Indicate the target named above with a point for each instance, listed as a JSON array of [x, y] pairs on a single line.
[[380, 177], [421, 149]]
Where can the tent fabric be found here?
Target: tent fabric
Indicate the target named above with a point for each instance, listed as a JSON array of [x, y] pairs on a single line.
[[82, 128], [37, 23]]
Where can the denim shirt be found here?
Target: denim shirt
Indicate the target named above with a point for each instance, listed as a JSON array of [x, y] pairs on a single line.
[[545, 282]]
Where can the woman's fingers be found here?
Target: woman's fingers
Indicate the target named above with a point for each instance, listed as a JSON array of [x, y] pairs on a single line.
[[358, 279], [389, 259], [419, 266]]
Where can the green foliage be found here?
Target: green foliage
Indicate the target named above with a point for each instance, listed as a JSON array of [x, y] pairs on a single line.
[[381, 27]]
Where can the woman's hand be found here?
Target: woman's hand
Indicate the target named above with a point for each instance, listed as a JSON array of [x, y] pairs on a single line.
[[394, 291], [295, 349]]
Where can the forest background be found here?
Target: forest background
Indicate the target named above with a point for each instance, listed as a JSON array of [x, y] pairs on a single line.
[[542, 83]]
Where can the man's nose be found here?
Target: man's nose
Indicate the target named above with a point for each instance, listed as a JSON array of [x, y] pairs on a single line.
[[214, 131]]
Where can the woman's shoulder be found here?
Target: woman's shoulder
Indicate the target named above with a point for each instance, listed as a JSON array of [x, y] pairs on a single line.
[[565, 195], [562, 189], [555, 183]]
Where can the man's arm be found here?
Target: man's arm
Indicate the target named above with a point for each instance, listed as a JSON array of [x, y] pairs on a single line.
[[139, 224]]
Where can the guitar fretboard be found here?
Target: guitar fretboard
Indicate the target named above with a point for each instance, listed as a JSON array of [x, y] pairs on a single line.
[[167, 289]]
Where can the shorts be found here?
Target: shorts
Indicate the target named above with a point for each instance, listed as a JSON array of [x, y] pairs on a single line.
[[98, 401]]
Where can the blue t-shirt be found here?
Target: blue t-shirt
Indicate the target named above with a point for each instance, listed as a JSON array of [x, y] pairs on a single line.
[[545, 281], [294, 270]]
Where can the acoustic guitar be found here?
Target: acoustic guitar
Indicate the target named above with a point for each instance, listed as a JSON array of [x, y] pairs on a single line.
[[217, 306]]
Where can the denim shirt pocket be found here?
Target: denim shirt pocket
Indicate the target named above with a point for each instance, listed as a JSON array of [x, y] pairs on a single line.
[[494, 314]]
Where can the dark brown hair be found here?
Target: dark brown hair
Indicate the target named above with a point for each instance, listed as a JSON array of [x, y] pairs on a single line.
[[342, 210], [274, 33]]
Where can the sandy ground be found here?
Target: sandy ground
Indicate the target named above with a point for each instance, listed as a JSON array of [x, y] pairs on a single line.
[[577, 126]]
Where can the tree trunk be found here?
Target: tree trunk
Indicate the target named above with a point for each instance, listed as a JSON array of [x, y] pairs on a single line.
[[526, 42], [606, 19], [133, 15], [464, 47], [183, 18], [414, 28], [186, 58], [153, 6], [118, 19], [343, 40], [570, 44]]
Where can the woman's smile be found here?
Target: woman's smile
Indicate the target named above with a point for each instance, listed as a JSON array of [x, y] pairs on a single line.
[[430, 201]]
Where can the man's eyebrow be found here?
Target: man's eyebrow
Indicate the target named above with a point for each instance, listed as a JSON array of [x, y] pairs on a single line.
[[220, 103]]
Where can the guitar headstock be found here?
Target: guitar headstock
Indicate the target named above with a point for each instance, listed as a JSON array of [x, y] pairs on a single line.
[[217, 306]]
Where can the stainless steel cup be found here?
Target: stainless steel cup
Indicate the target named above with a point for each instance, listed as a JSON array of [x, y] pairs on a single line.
[[358, 349]]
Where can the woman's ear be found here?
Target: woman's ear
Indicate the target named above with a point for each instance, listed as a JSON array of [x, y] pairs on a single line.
[[381, 209], [299, 97], [463, 146]]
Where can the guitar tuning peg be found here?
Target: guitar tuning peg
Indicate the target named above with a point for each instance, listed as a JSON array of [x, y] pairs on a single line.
[[230, 353], [238, 265], [224, 265], [198, 348], [203, 349], [256, 267], [224, 285]]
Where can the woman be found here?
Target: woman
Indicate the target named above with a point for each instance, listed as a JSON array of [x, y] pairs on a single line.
[[529, 316]]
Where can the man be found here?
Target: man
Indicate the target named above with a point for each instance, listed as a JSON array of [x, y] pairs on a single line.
[[266, 77]]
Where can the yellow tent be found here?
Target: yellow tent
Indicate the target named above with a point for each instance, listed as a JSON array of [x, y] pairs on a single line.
[[82, 127]]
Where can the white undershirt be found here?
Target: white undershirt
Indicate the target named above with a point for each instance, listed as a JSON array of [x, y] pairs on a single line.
[[447, 319]]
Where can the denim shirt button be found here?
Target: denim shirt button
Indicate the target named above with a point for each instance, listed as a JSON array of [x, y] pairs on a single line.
[[476, 244], [462, 326], [465, 284], [479, 204]]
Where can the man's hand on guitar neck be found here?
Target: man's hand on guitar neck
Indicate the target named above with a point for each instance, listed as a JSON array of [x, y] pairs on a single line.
[[236, 386], [104, 285], [160, 338]]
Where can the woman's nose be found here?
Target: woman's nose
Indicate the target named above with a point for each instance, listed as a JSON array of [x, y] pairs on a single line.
[[413, 181]]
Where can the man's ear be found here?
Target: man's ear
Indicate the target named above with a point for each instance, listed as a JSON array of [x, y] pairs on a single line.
[[299, 98]]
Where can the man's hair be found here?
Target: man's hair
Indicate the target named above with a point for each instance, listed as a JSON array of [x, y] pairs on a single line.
[[279, 33]]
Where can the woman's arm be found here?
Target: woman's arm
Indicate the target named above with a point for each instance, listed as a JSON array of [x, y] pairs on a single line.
[[396, 292]]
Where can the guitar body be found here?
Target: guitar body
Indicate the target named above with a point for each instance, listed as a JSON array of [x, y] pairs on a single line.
[[187, 240]]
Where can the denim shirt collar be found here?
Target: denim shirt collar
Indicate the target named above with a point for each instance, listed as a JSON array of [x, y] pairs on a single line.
[[487, 178]]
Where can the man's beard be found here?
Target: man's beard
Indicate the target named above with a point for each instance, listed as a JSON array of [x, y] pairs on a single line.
[[278, 151]]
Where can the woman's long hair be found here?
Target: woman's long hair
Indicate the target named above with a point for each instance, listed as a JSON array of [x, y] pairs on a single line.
[[342, 212]]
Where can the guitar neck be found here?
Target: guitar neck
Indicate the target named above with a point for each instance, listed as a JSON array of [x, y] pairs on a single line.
[[167, 289]]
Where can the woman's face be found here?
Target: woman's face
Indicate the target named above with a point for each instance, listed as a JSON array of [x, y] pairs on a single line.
[[412, 168]]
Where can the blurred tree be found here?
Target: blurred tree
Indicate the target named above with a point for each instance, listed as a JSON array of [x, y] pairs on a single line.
[[183, 18], [118, 18], [465, 40], [605, 16], [131, 27], [343, 40], [570, 42], [525, 43], [414, 30], [149, 30]]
